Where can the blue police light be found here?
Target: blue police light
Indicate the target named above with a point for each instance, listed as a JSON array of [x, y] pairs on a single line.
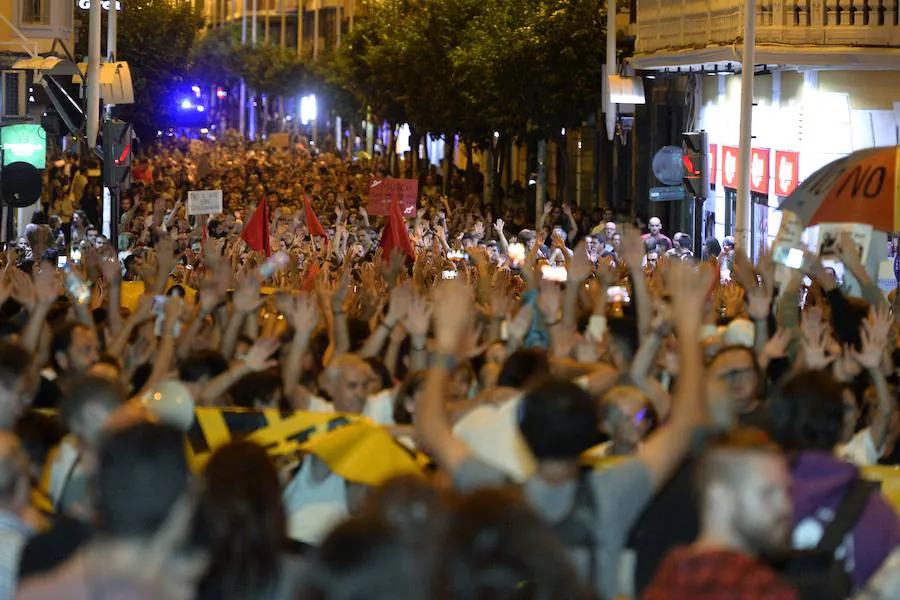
[[187, 104], [201, 108]]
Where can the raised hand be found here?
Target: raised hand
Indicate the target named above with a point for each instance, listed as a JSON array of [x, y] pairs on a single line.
[[777, 345], [246, 298], [259, 357], [689, 288], [550, 301], [632, 247], [580, 266], [517, 327], [452, 317], [816, 341], [499, 224], [418, 316], [398, 307]]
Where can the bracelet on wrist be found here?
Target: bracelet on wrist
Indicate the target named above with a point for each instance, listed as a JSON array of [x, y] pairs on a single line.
[[447, 362]]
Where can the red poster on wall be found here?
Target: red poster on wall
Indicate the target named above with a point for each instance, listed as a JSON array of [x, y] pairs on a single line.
[[730, 166], [381, 191], [787, 172], [713, 164], [759, 170]]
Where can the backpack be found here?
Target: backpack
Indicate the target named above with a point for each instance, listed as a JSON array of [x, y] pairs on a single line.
[[576, 528], [816, 574]]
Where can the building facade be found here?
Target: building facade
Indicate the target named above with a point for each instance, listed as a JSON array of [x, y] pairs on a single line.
[[827, 82], [30, 28]]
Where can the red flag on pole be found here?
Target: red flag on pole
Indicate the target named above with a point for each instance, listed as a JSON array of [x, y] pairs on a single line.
[[395, 235], [256, 231], [312, 221]]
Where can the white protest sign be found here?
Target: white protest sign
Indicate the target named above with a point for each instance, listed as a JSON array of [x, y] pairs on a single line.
[[830, 232], [204, 202]]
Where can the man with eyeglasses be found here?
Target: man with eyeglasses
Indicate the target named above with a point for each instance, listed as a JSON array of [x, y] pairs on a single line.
[[737, 369]]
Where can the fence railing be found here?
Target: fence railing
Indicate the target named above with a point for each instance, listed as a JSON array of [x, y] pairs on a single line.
[[680, 24]]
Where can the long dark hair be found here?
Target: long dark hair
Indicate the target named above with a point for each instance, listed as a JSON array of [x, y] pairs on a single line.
[[241, 519]]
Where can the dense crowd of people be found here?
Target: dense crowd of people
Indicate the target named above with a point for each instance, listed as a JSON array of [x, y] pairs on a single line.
[[594, 412]]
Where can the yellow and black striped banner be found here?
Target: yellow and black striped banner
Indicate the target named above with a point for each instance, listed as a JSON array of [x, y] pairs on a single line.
[[354, 447]]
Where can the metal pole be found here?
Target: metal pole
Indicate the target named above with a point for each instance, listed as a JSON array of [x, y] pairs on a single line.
[[252, 127], [315, 29], [93, 74], [610, 68], [338, 18], [255, 19], [242, 119], [283, 40], [742, 220], [300, 11], [112, 32]]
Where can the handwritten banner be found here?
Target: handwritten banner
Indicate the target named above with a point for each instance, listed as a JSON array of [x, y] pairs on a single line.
[[382, 191]]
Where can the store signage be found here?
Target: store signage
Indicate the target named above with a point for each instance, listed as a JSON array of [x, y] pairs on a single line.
[[759, 170], [713, 164], [104, 4], [730, 166], [787, 172]]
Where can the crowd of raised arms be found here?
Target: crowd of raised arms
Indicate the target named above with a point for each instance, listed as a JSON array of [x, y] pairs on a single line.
[[577, 409]]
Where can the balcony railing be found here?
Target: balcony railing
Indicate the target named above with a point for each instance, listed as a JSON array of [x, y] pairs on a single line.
[[681, 24]]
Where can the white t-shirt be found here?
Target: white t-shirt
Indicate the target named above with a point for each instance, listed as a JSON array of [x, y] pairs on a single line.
[[379, 407], [860, 450], [491, 431]]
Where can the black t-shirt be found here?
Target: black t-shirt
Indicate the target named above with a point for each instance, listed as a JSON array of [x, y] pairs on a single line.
[[669, 520], [49, 395], [49, 549]]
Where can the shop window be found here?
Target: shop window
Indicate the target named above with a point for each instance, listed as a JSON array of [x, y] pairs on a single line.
[[35, 12]]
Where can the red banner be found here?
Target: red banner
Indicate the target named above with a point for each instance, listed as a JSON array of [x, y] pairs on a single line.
[[382, 191], [730, 171], [759, 170], [787, 172], [713, 164]]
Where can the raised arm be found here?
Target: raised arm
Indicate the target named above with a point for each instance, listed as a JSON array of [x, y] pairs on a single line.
[[666, 448], [452, 322]]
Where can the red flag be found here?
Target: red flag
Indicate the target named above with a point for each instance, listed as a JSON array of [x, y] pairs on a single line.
[[312, 221], [395, 235], [256, 231]]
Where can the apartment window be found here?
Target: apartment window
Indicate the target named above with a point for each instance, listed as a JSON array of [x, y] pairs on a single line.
[[13, 98], [36, 12]]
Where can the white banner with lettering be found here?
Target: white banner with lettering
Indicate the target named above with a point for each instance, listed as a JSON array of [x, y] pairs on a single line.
[[204, 202]]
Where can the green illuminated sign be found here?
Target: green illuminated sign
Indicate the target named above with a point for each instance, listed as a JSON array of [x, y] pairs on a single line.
[[24, 143]]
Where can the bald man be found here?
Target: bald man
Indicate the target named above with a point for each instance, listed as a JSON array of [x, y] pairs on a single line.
[[15, 493], [743, 483], [663, 243]]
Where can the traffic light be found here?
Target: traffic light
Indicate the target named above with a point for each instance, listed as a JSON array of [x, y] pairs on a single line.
[[695, 157], [117, 136]]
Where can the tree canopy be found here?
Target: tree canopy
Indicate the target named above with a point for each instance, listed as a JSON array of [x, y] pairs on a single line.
[[156, 38], [523, 68]]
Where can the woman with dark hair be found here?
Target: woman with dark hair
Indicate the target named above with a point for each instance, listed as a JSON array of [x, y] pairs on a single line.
[[807, 418], [241, 519], [500, 549]]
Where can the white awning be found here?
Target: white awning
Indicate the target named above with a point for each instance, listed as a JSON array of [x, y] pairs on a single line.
[[49, 65]]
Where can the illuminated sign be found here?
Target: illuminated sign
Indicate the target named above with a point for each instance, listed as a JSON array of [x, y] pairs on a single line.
[[730, 166], [787, 172], [104, 4], [759, 170], [713, 164], [24, 143]]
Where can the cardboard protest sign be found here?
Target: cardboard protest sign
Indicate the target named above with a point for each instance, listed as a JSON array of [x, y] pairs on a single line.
[[279, 140], [829, 233], [204, 202], [381, 191]]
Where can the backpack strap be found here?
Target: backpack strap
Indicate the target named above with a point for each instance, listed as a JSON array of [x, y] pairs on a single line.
[[846, 516]]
